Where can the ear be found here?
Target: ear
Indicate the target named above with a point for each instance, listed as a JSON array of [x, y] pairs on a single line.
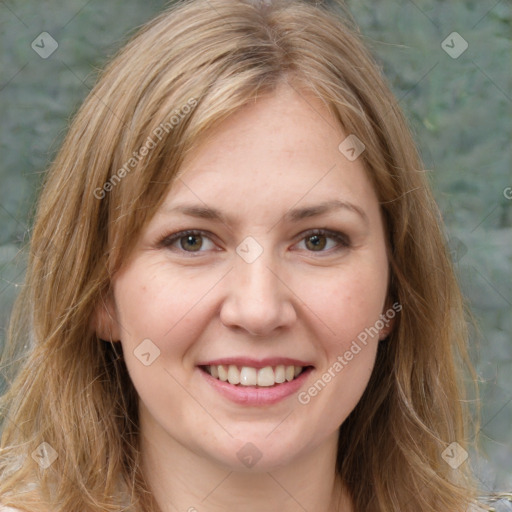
[[385, 332], [388, 317], [104, 319]]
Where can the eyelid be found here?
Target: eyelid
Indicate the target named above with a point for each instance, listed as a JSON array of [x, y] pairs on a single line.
[[338, 235]]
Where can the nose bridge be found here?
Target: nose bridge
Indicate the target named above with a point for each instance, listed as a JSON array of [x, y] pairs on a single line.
[[261, 283], [257, 299]]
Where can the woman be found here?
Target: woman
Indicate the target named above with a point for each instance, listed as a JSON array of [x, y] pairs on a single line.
[[238, 293]]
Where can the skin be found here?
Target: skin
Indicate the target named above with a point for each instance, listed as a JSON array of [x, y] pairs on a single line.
[[278, 153]]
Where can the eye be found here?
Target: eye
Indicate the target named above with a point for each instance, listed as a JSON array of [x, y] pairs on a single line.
[[197, 241], [188, 241], [318, 239]]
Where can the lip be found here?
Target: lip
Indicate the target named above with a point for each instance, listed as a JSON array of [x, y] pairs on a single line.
[[256, 396], [255, 363]]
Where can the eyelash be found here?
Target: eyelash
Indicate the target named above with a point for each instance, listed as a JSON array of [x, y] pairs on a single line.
[[340, 238]]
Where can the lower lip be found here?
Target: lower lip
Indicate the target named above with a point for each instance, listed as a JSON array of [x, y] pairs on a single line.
[[251, 395]]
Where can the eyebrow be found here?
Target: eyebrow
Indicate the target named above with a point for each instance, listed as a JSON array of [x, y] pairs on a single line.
[[292, 215]]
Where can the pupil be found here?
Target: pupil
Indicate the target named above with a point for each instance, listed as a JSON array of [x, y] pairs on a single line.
[[318, 241], [191, 239]]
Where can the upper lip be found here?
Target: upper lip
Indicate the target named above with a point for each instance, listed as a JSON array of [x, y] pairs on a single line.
[[255, 363]]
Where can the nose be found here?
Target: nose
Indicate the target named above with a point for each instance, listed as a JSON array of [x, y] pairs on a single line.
[[258, 300]]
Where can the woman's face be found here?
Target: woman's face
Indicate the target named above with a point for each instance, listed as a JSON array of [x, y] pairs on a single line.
[[257, 287]]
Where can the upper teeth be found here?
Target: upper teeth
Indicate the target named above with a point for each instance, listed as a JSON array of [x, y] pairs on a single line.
[[248, 376]]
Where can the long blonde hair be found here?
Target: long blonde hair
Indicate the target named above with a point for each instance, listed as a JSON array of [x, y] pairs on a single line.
[[71, 390]]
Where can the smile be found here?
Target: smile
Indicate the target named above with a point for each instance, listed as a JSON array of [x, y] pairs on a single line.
[[267, 376], [255, 382]]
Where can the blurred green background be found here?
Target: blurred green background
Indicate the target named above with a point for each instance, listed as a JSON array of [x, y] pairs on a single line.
[[458, 102]]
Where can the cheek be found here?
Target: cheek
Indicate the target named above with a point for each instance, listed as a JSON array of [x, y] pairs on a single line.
[[152, 302], [345, 301], [349, 302], [157, 312]]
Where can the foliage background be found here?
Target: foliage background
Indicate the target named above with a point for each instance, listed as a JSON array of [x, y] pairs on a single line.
[[459, 109]]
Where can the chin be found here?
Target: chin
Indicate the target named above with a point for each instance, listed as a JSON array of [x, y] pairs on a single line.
[[257, 453]]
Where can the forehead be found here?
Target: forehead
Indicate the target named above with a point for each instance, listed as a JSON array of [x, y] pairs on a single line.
[[278, 151]]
